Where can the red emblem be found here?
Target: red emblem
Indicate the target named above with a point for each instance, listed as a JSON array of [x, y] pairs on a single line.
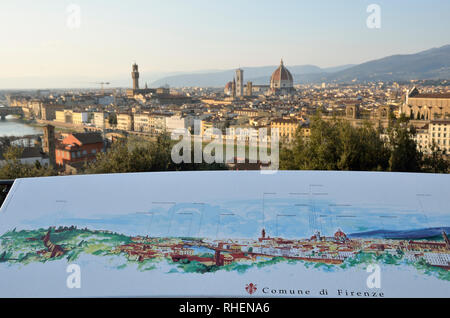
[[250, 288]]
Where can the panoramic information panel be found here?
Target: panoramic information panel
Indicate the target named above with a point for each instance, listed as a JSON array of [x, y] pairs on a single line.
[[220, 234]]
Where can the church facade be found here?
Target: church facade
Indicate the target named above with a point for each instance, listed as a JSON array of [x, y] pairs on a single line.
[[423, 106]]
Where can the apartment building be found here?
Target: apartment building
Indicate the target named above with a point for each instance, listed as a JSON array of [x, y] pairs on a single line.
[[439, 135], [79, 118], [125, 121], [142, 122], [157, 123], [422, 139], [48, 111], [287, 128], [71, 117], [176, 122], [99, 119]]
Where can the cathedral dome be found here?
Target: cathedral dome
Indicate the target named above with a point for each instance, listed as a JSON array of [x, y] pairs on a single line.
[[228, 88], [340, 236], [281, 78]]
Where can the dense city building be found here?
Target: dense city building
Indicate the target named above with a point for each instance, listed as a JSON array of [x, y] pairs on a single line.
[[243, 108]]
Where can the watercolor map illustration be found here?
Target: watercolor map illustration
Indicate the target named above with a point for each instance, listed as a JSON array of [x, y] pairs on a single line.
[[214, 224]]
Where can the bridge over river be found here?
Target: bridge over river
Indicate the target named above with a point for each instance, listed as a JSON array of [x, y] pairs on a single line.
[[5, 111]]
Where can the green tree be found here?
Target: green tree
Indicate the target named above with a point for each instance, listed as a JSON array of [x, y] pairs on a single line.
[[112, 119], [361, 148], [435, 162], [134, 154], [318, 152], [336, 145], [404, 154], [13, 168], [90, 117]]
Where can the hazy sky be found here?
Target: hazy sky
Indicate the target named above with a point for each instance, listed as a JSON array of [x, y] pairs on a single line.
[[187, 35]]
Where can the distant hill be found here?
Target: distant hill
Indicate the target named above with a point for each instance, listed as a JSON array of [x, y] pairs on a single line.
[[429, 64], [426, 233], [258, 75]]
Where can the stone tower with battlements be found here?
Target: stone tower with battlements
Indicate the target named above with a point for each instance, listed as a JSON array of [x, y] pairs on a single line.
[[135, 76]]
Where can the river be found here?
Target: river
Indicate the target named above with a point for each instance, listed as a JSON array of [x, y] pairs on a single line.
[[12, 126]]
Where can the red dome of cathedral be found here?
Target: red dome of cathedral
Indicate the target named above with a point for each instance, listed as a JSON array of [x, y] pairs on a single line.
[[228, 88], [281, 74], [281, 79], [339, 235]]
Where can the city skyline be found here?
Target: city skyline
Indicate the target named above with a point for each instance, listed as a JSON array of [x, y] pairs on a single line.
[[170, 38]]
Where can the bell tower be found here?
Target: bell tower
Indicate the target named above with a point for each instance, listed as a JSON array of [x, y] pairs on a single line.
[[239, 82], [135, 76], [233, 89], [48, 144]]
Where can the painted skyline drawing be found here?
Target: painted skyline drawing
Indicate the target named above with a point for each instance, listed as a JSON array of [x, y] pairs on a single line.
[[314, 229]]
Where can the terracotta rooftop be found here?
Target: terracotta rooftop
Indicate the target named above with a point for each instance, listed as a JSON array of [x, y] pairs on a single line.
[[441, 121], [281, 74], [89, 138], [432, 95], [286, 120]]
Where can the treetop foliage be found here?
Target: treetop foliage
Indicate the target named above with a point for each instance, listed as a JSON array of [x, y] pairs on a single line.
[[138, 155], [13, 168], [337, 145]]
